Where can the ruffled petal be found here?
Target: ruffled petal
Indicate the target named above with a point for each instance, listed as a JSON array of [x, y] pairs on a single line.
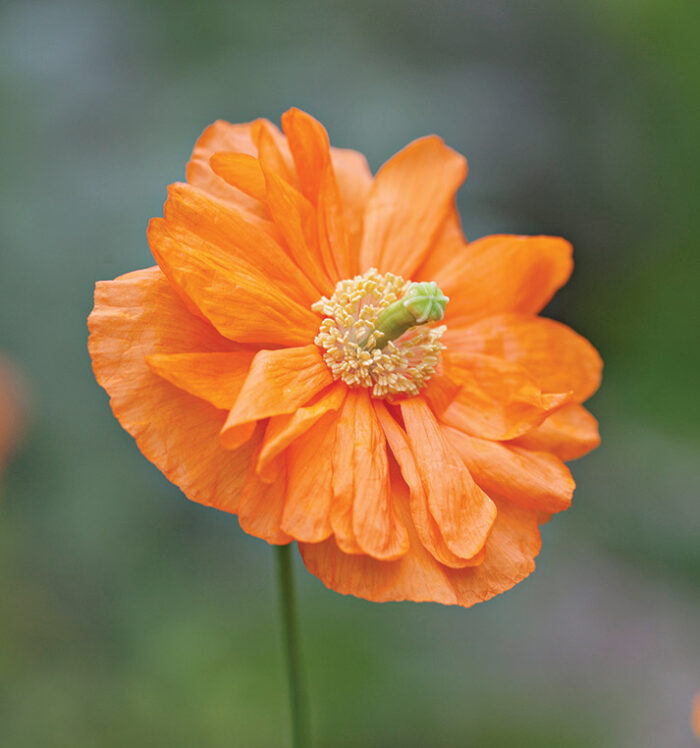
[[223, 136], [426, 527], [409, 200], [237, 236], [462, 511], [557, 357], [510, 551], [136, 316], [354, 180], [261, 505], [241, 171], [239, 300], [361, 483], [310, 148], [497, 399], [282, 430], [310, 482], [278, 382], [214, 377], [448, 243], [535, 480], [504, 273], [568, 433]]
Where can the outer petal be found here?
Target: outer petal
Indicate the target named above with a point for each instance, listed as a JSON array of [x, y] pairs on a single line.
[[138, 315], [309, 482], [235, 296], [535, 480], [238, 237], [261, 506], [426, 527], [278, 382], [557, 357], [409, 200], [448, 244], [361, 482], [214, 377], [568, 433], [463, 512], [497, 399], [504, 274], [241, 171], [510, 552]]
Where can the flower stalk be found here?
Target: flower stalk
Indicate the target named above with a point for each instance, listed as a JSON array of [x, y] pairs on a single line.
[[288, 613]]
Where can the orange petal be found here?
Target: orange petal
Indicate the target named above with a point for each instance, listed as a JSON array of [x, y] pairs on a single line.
[[273, 151], [510, 551], [296, 219], [568, 433], [241, 171], [235, 296], [497, 400], [361, 482], [354, 180], [222, 136], [557, 357], [13, 409], [449, 242], [504, 274], [238, 236], [463, 512], [136, 316], [426, 527], [409, 200], [214, 377], [535, 480], [261, 505], [283, 430], [278, 382], [310, 482]]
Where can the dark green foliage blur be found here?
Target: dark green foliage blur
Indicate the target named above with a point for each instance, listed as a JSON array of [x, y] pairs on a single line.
[[132, 617]]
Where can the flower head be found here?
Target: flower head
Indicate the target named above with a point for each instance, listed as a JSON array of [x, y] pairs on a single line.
[[322, 353]]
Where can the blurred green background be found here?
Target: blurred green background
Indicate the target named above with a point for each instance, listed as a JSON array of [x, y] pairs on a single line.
[[130, 616]]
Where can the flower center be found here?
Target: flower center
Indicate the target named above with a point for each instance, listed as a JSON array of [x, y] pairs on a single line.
[[375, 332]]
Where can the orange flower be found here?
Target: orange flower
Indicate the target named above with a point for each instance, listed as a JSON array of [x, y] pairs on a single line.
[[282, 362]]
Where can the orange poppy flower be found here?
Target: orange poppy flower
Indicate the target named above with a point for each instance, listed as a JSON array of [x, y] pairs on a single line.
[[322, 353]]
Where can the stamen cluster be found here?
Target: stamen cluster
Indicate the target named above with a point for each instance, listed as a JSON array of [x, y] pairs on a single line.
[[349, 338]]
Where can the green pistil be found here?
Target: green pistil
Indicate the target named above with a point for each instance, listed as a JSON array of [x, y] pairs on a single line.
[[422, 303]]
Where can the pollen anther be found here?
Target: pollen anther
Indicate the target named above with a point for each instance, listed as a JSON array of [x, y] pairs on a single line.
[[355, 351]]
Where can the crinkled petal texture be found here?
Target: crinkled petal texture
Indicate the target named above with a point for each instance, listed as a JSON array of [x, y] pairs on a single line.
[[210, 363]]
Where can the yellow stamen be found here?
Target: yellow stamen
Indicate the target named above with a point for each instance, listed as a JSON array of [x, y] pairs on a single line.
[[354, 349]]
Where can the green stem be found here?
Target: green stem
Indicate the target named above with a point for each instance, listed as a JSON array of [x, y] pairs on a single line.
[[297, 695]]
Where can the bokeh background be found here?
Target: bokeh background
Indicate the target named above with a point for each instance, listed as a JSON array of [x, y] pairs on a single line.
[[130, 616]]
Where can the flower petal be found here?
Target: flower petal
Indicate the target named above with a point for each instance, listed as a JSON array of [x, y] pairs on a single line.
[[409, 200], [463, 512], [568, 433], [310, 482], [354, 180], [241, 171], [448, 243], [282, 430], [136, 316], [308, 142], [557, 357], [504, 273], [535, 480], [509, 558], [222, 136], [426, 527], [261, 505], [278, 382], [214, 377], [238, 237], [361, 482], [497, 400], [235, 296]]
